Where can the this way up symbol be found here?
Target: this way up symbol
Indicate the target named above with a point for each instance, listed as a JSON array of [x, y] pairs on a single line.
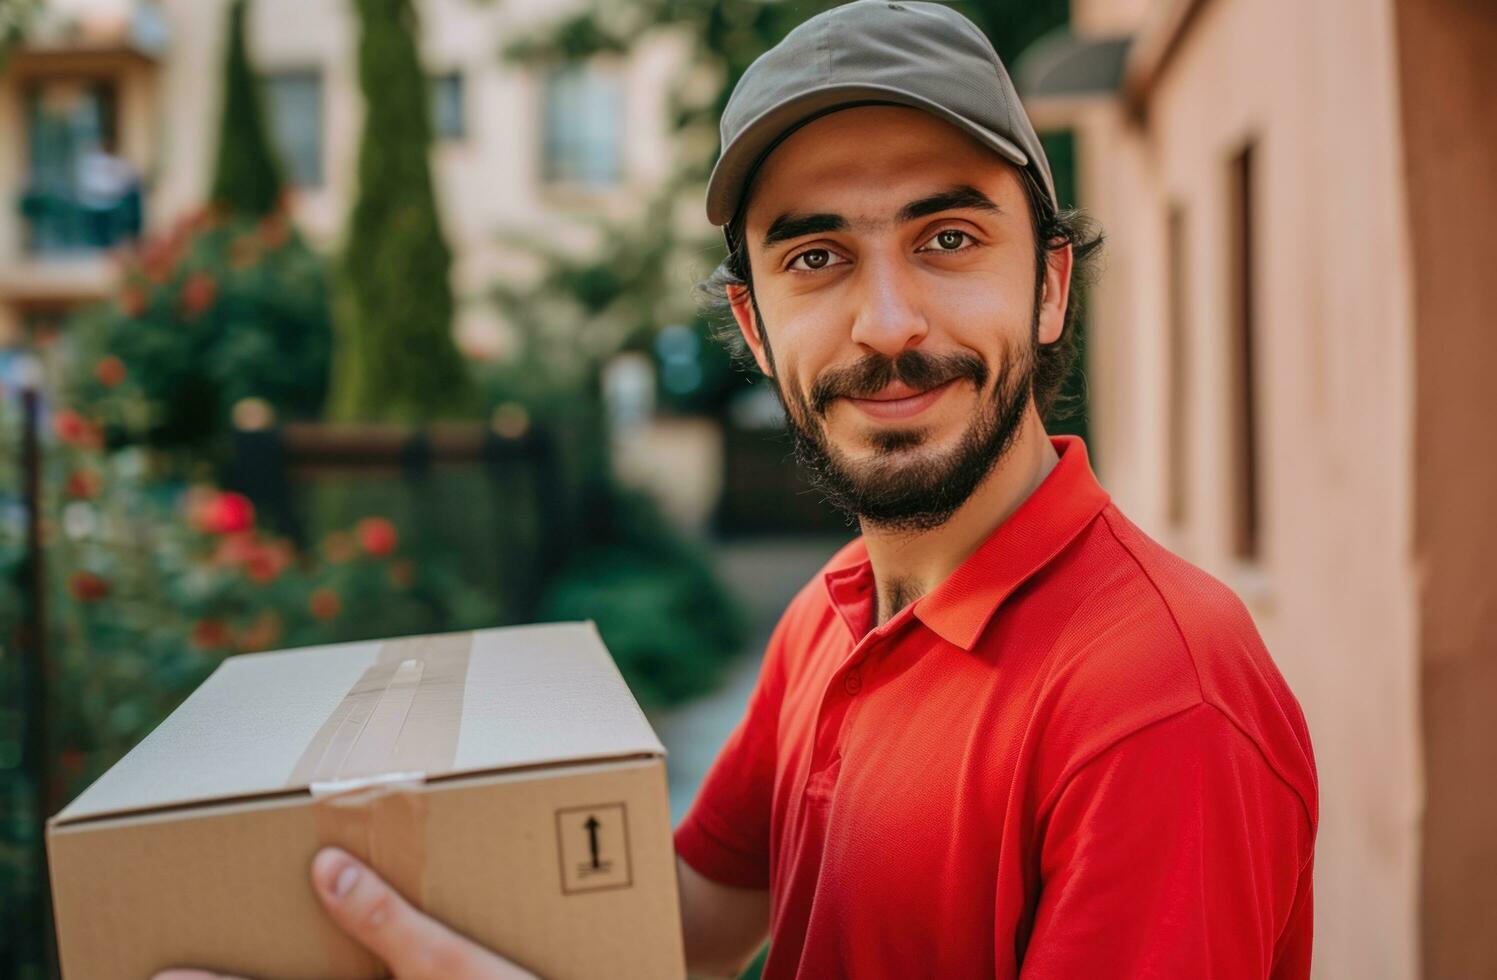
[[592, 837]]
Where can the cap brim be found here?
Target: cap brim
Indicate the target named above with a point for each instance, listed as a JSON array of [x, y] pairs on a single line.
[[741, 157]]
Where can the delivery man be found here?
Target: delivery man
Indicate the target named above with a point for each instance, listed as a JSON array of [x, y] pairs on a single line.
[[1002, 733]]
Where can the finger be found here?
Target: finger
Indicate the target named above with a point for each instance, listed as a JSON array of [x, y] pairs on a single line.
[[413, 945]]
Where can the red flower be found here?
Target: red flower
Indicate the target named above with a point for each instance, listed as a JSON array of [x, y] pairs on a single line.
[[263, 633], [69, 425], [244, 252], [274, 230], [77, 430], [267, 562], [207, 218], [339, 546], [261, 567], [198, 293], [132, 300], [110, 371], [324, 603], [88, 587], [377, 536], [210, 634], [158, 259], [235, 548], [83, 484], [222, 513]]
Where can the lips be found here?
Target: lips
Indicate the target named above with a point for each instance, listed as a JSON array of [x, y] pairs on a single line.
[[899, 401]]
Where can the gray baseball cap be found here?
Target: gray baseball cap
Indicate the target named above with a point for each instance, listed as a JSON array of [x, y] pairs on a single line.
[[901, 52]]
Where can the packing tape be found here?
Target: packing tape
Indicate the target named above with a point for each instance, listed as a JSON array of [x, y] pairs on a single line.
[[402, 715], [382, 823], [367, 765]]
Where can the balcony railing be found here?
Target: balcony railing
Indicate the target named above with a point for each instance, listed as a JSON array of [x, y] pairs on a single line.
[[59, 221]]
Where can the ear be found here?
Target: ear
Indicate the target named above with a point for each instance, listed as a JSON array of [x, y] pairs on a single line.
[[1057, 293], [743, 313]]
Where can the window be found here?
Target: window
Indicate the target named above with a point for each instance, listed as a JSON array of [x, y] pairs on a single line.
[[448, 107], [293, 101], [582, 122], [80, 195], [1246, 502], [1177, 374]]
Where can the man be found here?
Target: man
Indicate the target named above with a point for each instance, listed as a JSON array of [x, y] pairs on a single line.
[[1002, 733]]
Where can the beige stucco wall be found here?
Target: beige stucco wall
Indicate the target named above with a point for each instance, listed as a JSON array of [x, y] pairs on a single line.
[[1334, 594]]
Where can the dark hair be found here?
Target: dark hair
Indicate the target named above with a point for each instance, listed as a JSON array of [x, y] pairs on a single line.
[[1053, 230]]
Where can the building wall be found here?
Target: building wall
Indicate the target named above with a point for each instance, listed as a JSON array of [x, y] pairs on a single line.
[[1449, 84], [1315, 87], [1100, 18]]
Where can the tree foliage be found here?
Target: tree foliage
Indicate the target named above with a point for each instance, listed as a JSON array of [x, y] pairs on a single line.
[[730, 34], [395, 358], [15, 17], [247, 175]]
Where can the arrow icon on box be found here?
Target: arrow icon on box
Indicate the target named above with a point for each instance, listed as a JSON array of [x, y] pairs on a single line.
[[592, 837]]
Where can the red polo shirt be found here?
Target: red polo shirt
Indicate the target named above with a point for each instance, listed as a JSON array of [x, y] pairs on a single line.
[[1072, 759]]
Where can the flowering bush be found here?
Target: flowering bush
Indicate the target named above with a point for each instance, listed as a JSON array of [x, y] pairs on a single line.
[[215, 311], [153, 576], [154, 581]]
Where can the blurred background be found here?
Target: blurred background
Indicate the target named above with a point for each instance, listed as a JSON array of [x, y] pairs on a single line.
[[325, 320]]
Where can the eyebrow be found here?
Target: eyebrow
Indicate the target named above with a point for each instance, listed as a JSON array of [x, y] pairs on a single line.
[[788, 226], [963, 197], [959, 198]]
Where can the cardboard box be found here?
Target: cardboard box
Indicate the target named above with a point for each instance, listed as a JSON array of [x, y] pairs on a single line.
[[504, 779]]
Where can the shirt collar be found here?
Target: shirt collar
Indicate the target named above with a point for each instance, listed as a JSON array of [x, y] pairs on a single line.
[[960, 607]]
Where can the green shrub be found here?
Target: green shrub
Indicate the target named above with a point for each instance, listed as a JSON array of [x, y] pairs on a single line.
[[152, 580], [214, 312], [247, 176], [660, 607], [153, 577]]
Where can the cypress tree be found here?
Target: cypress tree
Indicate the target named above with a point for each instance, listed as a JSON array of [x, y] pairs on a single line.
[[247, 176], [395, 358]]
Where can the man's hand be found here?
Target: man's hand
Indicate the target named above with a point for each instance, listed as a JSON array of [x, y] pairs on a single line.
[[414, 946]]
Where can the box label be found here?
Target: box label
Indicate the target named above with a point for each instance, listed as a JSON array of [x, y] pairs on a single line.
[[593, 842]]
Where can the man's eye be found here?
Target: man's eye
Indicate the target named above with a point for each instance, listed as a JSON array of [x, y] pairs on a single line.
[[950, 240], [814, 259]]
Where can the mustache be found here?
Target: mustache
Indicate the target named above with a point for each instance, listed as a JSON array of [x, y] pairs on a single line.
[[875, 372]]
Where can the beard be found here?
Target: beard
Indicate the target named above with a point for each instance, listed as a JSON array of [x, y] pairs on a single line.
[[901, 488]]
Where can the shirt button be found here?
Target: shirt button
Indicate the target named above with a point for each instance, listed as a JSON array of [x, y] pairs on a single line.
[[853, 682]]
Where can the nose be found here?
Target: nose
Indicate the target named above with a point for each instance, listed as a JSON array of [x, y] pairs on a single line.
[[889, 316]]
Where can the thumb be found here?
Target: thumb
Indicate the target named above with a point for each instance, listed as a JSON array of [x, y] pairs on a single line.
[[413, 945]]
